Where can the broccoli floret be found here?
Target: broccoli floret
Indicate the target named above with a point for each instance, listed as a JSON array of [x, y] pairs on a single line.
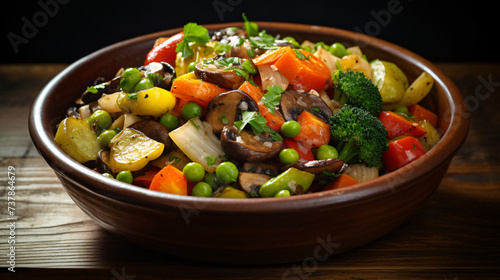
[[359, 136], [356, 89]]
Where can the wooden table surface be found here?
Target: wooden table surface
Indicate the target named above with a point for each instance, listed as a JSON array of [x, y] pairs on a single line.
[[455, 235]]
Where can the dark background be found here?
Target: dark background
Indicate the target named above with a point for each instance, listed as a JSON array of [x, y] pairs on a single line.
[[440, 31]]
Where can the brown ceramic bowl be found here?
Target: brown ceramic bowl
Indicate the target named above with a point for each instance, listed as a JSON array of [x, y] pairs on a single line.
[[250, 231]]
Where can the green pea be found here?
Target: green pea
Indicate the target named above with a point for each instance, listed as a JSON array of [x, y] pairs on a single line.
[[144, 84], [290, 129], [125, 176], [323, 45], [191, 110], [282, 193], [227, 172], [101, 118], [108, 175], [202, 189], [326, 152], [338, 50], [288, 156], [169, 121], [105, 137], [193, 172], [292, 41], [211, 179], [129, 78], [156, 78], [402, 110]]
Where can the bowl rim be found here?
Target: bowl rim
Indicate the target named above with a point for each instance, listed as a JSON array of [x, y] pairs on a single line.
[[384, 185]]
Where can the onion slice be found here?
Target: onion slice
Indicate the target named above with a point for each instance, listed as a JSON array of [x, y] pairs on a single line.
[[270, 77]]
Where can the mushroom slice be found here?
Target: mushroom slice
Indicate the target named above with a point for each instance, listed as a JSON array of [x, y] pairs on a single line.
[[155, 131], [246, 146], [99, 89], [103, 162], [225, 108], [221, 72], [293, 102], [261, 168], [251, 182], [165, 70], [333, 165]]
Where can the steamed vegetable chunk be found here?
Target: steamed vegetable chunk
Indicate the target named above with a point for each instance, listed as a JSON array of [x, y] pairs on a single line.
[[415, 93], [356, 89], [360, 137], [391, 81]]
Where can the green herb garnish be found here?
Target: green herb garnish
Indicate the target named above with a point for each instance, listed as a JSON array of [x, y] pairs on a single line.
[[132, 96], [210, 160], [174, 159], [258, 124], [300, 55], [272, 98], [250, 27], [193, 33], [249, 66], [222, 48], [94, 89], [263, 41], [193, 122], [224, 120]]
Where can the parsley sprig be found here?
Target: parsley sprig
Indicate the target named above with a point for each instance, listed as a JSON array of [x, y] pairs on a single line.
[[272, 98], [193, 33], [258, 124]]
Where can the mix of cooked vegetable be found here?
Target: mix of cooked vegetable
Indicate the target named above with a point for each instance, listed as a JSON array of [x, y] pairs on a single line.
[[240, 113]]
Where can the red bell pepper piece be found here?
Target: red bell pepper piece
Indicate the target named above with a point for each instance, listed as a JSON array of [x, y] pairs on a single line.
[[422, 114], [397, 125], [314, 132], [165, 51], [305, 154], [145, 179], [401, 152]]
